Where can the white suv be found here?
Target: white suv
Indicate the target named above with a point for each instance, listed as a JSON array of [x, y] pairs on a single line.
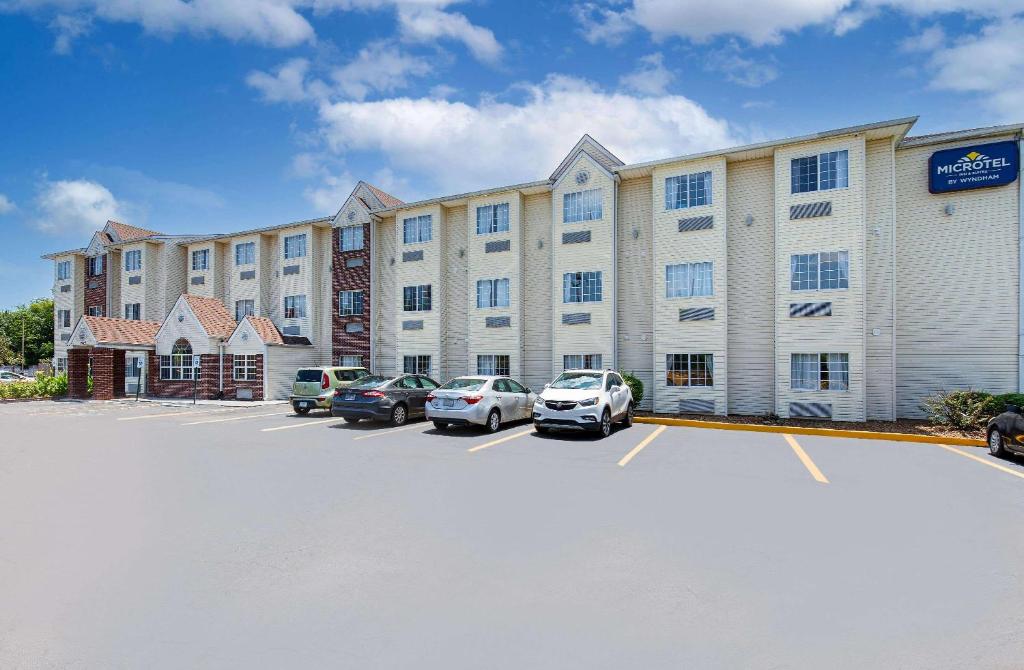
[[588, 400]]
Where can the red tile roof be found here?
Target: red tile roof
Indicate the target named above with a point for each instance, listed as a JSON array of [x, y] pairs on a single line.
[[212, 314], [266, 329], [122, 331], [386, 198], [130, 233]]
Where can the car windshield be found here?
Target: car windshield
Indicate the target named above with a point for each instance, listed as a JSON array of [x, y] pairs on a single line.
[[312, 375], [369, 382], [464, 384], [350, 375], [577, 380]]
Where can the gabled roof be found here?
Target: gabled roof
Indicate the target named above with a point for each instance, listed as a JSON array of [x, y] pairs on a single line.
[[122, 331], [595, 150], [386, 199], [122, 232], [265, 329], [213, 316]]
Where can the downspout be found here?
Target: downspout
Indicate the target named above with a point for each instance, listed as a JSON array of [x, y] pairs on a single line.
[[615, 272], [371, 256], [221, 369]]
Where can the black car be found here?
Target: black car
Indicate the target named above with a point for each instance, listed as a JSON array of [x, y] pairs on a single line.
[[1006, 432], [394, 399]]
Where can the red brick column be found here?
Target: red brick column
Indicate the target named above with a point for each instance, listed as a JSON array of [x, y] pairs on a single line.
[[103, 373], [344, 278], [117, 369], [78, 373]]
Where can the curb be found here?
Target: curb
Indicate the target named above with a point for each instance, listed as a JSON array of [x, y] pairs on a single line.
[[824, 432]]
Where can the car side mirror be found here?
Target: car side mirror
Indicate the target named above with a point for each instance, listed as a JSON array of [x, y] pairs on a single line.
[[547, 386]]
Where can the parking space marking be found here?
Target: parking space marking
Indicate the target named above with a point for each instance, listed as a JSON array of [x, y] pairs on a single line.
[[500, 440], [234, 418], [388, 432], [806, 460], [981, 460], [157, 416], [643, 443], [298, 425]]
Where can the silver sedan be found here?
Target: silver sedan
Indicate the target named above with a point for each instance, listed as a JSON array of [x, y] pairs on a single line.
[[480, 400]]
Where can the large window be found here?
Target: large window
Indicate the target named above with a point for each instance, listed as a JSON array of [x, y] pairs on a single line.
[[416, 365], [133, 311], [246, 368], [819, 372], [64, 270], [492, 219], [820, 173], [179, 364], [350, 361], [295, 246], [688, 190], [350, 238], [689, 370], [350, 303], [582, 206], [245, 253], [95, 310], [63, 318], [295, 307], [689, 280], [60, 365], [823, 270], [95, 265], [581, 362], [201, 259], [581, 287], [244, 308], [417, 229], [492, 293], [416, 298], [493, 364], [133, 260]]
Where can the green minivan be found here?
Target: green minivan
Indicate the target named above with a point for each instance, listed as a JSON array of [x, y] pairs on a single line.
[[314, 388]]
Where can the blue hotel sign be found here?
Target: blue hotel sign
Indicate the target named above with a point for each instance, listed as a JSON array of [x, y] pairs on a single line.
[[978, 166]]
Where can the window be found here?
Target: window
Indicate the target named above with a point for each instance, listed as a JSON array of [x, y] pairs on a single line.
[[133, 311], [60, 365], [350, 361], [688, 190], [350, 238], [582, 206], [245, 253], [63, 318], [295, 246], [295, 307], [819, 271], [96, 310], [179, 364], [689, 280], [581, 287], [417, 229], [133, 260], [95, 264], [493, 364], [350, 303], [819, 372], [820, 173], [689, 370], [246, 369], [581, 362], [416, 298], [492, 293], [416, 365], [244, 308], [201, 259], [64, 270], [492, 219]]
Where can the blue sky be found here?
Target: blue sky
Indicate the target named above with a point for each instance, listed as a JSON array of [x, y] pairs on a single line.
[[210, 115]]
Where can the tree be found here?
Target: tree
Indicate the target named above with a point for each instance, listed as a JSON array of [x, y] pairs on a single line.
[[37, 319], [7, 355]]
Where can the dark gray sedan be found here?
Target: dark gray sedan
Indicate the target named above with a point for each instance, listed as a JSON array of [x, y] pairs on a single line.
[[1006, 432], [394, 399]]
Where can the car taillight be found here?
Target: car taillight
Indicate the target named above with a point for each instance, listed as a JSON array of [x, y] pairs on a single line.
[[473, 399], [431, 397], [372, 394], [325, 383]]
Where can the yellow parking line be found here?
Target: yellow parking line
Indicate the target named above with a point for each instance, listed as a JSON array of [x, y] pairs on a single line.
[[234, 418], [157, 416], [301, 424], [500, 440], [806, 460], [387, 432], [638, 448], [981, 460]]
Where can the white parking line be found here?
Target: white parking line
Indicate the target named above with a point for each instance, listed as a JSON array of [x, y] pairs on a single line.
[[981, 460], [298, 425], [500, 440], [638, 448], [388, 432], [157, 416], [235, 418]]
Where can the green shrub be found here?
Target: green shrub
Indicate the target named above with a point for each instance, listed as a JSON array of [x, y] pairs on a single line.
[[964, 410], [48, 386], [635, 385], [1000, 402]]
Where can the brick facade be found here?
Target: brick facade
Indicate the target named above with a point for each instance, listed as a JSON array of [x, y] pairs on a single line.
[[207, 388], [231, 385], [107, 373], [97, 297], [78, 373], [344, 278]]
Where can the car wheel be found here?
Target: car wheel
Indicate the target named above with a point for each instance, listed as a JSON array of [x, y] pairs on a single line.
[[349, 419], [302, 411], [540, 429], [493, 421], [440, 425], [995, 443], [606, 423], [399, 415], [627, 421]]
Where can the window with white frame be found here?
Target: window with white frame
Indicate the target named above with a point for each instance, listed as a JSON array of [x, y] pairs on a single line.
[[689, 370], [95, 310], [95, 265], [689, 280], [244, 308], [416, 365], [133, 260], [581, 287], [350, 303], [492, 293], [823, 172], [295, 307], [350, 361], [179, 364], [417, 229], [295, 246], [350, 238], [416, 298], [133, 311], [201, 259], [819, 372], [688, 190], [582, 206], [246, 368], [493, 364], [492, 219], [820, 271], [60, 365], [64, 270], [581, 362], [245, 253], [63, 318]]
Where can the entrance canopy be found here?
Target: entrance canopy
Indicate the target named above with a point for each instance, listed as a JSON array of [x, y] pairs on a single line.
[[101, 331]]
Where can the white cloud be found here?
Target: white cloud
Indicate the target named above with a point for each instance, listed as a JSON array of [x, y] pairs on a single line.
[[68, 28], [739, 69], [78, 206], [427, 24], [6, 206], [286, 84], [651, 77], [328, 196], [379, 67], [929, 39], [602, 25]]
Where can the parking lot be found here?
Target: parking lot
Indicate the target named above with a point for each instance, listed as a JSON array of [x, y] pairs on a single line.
[[139, 535]]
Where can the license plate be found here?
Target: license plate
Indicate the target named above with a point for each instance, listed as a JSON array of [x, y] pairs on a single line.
[[305, 403], [449, 402], [350, 396]]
